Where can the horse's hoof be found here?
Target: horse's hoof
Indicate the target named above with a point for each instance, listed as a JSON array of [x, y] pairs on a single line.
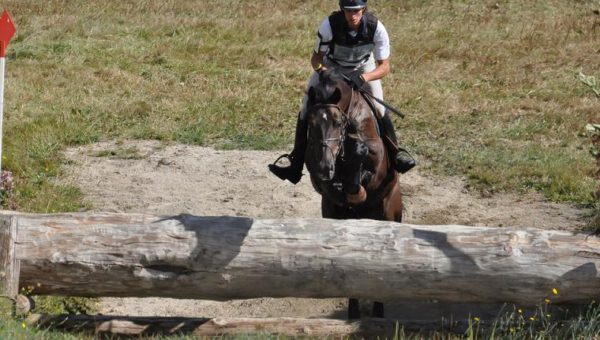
[[377, 309], [353, 309], [358, 198]]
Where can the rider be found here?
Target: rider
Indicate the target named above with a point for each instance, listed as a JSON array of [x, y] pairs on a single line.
[[356, 41]]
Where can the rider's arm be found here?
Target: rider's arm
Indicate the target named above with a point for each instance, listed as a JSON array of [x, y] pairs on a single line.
[[381, 54], [382, 70], [324, 37], [316, 61]]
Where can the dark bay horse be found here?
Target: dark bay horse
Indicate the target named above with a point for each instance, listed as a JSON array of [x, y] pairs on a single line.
[[347, 159]]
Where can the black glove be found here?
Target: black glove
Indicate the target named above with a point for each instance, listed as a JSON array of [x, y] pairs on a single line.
[[357, 79]]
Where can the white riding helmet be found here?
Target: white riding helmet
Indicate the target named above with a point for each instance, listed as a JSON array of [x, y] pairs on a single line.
[[353, 4]]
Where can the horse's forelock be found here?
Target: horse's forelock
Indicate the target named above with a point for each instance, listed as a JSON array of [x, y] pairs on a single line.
[[333, 77], [329, 81]]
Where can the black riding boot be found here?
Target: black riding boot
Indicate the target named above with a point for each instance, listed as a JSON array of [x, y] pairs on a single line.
[[293, 172], [402, 161]]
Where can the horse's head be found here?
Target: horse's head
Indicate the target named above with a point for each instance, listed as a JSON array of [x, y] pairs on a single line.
[[327, 121]]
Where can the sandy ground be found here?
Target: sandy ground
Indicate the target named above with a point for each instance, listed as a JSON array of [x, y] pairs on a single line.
[[172, 179]]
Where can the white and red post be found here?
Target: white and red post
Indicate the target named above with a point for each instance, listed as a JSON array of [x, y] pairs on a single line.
[[7, 30]]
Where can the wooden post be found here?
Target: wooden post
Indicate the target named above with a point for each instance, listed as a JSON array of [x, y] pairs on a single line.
[[9, 266]]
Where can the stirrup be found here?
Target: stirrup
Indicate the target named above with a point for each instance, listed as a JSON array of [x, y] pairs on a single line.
[[286, 172], [285, 155]]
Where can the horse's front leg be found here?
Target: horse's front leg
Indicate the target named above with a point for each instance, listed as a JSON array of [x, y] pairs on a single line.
[[354, 309], [356, 152], [377, 309]]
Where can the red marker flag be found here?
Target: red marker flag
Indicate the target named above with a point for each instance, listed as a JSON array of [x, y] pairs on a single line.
[[7, 30]]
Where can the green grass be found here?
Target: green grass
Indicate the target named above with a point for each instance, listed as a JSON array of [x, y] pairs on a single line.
[[499, 92], [19, 330], [513, 323]]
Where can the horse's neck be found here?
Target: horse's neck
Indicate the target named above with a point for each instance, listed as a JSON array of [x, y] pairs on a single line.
[[366, 123], [363, 117], [347, 101]]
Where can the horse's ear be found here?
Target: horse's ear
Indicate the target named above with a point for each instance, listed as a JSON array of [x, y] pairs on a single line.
[[336, 96]]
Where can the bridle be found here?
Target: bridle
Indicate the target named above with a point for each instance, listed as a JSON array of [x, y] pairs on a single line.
[[329, 143]]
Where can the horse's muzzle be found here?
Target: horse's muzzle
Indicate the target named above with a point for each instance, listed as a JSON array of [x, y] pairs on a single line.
[[326, 175], [358, 198]]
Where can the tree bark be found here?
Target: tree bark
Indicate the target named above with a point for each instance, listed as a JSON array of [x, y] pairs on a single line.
[[226, 258]]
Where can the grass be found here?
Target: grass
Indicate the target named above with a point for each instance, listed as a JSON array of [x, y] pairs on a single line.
[[489, 92], [513, 323], [18, 330], [497, 91]]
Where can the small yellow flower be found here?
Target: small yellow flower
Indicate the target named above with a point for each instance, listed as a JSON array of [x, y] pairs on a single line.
[[532, 318], [520, 311], [547, 300], [512, 329], [476, 319], [23, 325], [554, 291], [548, 315]]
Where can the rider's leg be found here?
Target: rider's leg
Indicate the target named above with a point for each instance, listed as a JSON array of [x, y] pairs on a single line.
[[293, 172], [402, 161]]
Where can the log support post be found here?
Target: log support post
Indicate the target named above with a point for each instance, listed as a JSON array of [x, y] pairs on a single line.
[[9, 266]]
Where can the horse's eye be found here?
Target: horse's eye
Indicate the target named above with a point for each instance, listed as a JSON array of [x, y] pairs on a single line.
[[337, 118]]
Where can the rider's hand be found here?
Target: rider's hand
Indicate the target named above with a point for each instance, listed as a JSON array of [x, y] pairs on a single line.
[[357, 79]]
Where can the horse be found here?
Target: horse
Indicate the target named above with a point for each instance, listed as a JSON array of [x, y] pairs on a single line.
[[347, 160]]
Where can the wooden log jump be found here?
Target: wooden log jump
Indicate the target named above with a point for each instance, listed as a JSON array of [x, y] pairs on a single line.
[[224, 258]]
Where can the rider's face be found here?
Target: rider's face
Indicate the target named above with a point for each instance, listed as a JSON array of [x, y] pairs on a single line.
[[353, 17]]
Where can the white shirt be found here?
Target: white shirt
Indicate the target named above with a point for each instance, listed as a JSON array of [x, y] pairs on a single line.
[[381, 40]]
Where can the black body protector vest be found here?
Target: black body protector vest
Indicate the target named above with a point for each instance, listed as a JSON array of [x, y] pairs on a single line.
[[346, 48]]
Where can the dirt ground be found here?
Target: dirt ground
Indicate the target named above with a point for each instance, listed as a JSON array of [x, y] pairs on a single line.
[[171, 179]]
